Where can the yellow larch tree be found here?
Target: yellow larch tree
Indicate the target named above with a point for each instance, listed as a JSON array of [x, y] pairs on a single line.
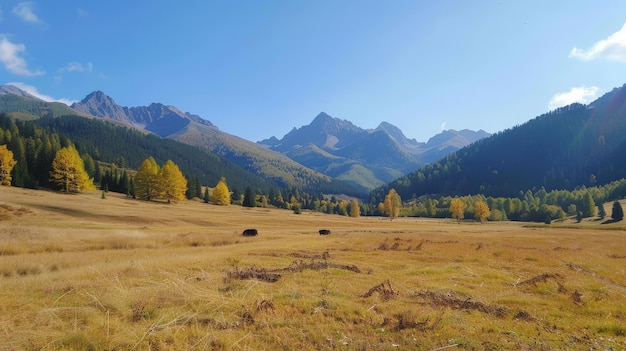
[[68, 171], [146, 180], [6, 165], [172, 185], [221, 193]]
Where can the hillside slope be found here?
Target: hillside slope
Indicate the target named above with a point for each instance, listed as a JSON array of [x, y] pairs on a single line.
[[572, 146]]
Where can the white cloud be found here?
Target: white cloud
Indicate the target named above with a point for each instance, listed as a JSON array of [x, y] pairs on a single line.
[[443, 126], [581, 94], [10, 56], [77, 67], [611, 48], [24, 10], [33, 91]]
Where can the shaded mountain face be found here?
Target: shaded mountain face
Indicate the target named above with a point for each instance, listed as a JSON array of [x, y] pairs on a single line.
[[366, 158]]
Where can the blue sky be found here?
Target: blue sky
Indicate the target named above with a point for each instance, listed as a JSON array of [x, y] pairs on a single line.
[[258, 68]]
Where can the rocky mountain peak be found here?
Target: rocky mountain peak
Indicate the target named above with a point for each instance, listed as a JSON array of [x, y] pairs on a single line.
[[99, 104]]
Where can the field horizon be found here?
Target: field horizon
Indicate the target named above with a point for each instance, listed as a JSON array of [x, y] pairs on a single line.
[[81, 272]]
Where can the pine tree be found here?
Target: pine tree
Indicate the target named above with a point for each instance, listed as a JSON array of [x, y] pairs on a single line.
[[588, 206], [6, 165], [618, 212], [146, 179], [207, 198], [68, 171], [249, 198], [601, 211], [221, 194]]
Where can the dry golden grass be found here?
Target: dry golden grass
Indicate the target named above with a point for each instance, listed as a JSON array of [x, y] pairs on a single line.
[[80, 272]]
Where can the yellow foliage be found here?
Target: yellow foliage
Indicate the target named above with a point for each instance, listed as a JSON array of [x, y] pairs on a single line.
[[6, 165], [146, 179], [68, 171], [355, 210], [221, 193], [392, 204], [481, 211], [457, 209], [172, 183]]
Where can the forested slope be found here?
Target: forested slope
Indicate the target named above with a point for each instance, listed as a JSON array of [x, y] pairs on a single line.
[[34, 144], [572, 146]]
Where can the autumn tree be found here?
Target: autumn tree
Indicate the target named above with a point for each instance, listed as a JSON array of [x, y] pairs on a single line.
[[481, 211], [172, 185], [146, 179], [392, 204], [355, 210], [457, 209], [6, 165], [221, 194], [68, 171]]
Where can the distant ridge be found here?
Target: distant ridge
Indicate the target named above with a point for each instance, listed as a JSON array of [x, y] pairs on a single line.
[[365, 157], [157, 118]]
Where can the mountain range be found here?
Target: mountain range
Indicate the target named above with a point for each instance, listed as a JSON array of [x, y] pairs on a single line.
[[329, 149], [342, 150]]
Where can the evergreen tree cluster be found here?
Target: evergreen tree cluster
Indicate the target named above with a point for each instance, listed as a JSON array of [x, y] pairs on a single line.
[[34, 148], [538, 206], [128, 148]]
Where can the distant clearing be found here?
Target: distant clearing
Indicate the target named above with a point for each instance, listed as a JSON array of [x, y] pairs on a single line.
[[81, 272]]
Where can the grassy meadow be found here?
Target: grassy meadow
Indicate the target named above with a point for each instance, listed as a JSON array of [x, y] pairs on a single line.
[[78, 272]]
